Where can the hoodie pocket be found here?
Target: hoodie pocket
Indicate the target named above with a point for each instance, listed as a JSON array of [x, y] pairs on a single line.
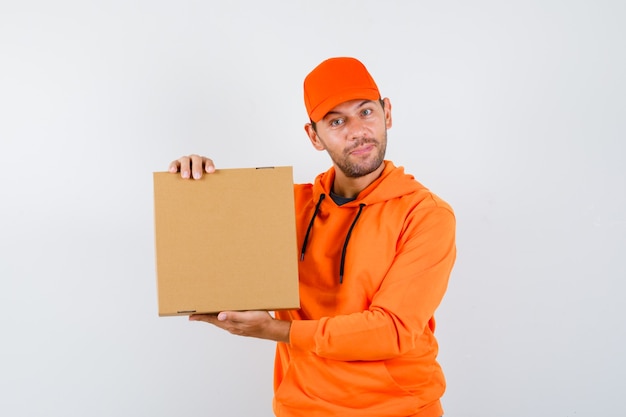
[[312, 381]]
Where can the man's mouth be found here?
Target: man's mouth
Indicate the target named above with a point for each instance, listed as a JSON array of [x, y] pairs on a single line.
[[362, 148]]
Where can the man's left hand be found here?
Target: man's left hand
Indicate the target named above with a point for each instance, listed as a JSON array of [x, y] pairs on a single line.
[[259, 324]]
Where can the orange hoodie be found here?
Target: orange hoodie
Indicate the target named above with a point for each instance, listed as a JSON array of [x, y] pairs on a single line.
[[372, 273]]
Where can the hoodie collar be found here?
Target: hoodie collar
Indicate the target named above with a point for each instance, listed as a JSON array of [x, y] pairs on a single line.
[[391, 183]]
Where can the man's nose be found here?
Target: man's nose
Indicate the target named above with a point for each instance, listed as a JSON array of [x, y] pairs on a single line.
[[356, 130]]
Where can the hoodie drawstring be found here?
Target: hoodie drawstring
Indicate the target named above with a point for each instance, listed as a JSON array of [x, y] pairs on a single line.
[[345, 244], [308, 230]]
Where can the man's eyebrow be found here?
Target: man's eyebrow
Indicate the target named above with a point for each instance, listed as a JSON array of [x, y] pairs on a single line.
[[361, 104], [364, 102]]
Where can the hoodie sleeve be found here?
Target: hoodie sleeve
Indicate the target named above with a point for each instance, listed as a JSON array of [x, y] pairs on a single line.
[[402, 309]]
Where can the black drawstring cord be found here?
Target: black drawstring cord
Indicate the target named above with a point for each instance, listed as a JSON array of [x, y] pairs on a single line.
[[308, 230], [345, 244]]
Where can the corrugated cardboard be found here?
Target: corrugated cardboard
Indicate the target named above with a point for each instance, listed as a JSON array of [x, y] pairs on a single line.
[[226, 241]]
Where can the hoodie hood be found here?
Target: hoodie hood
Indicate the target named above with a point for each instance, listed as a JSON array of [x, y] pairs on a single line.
[[392, 183]]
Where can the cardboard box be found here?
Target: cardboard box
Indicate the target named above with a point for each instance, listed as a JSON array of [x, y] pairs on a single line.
[[226, 241]]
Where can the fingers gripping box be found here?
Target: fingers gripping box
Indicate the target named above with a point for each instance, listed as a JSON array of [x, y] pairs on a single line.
[[226, 241]]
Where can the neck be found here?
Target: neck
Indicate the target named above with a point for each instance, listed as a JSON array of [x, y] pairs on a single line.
[[351, 187]]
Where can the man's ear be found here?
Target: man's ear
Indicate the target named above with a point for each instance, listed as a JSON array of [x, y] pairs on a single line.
[[312, 134], [387, 109]]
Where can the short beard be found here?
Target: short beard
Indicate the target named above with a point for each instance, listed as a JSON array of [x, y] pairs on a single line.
[[356, 170]]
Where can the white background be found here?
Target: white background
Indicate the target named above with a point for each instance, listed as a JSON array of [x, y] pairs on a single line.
[[512, 111]]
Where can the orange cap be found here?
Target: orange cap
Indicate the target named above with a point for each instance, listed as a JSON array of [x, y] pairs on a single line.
[[335, 81]]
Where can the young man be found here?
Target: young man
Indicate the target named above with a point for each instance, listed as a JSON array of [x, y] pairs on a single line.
[[376, 252]]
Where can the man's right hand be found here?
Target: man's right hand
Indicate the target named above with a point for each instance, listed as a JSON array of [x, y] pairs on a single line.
[[192, 166]]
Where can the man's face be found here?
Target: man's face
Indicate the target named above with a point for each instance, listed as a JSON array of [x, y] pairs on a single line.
[[354, 134]]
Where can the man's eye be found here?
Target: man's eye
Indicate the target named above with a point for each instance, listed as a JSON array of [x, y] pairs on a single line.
[[336, 122], [366, 112]]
